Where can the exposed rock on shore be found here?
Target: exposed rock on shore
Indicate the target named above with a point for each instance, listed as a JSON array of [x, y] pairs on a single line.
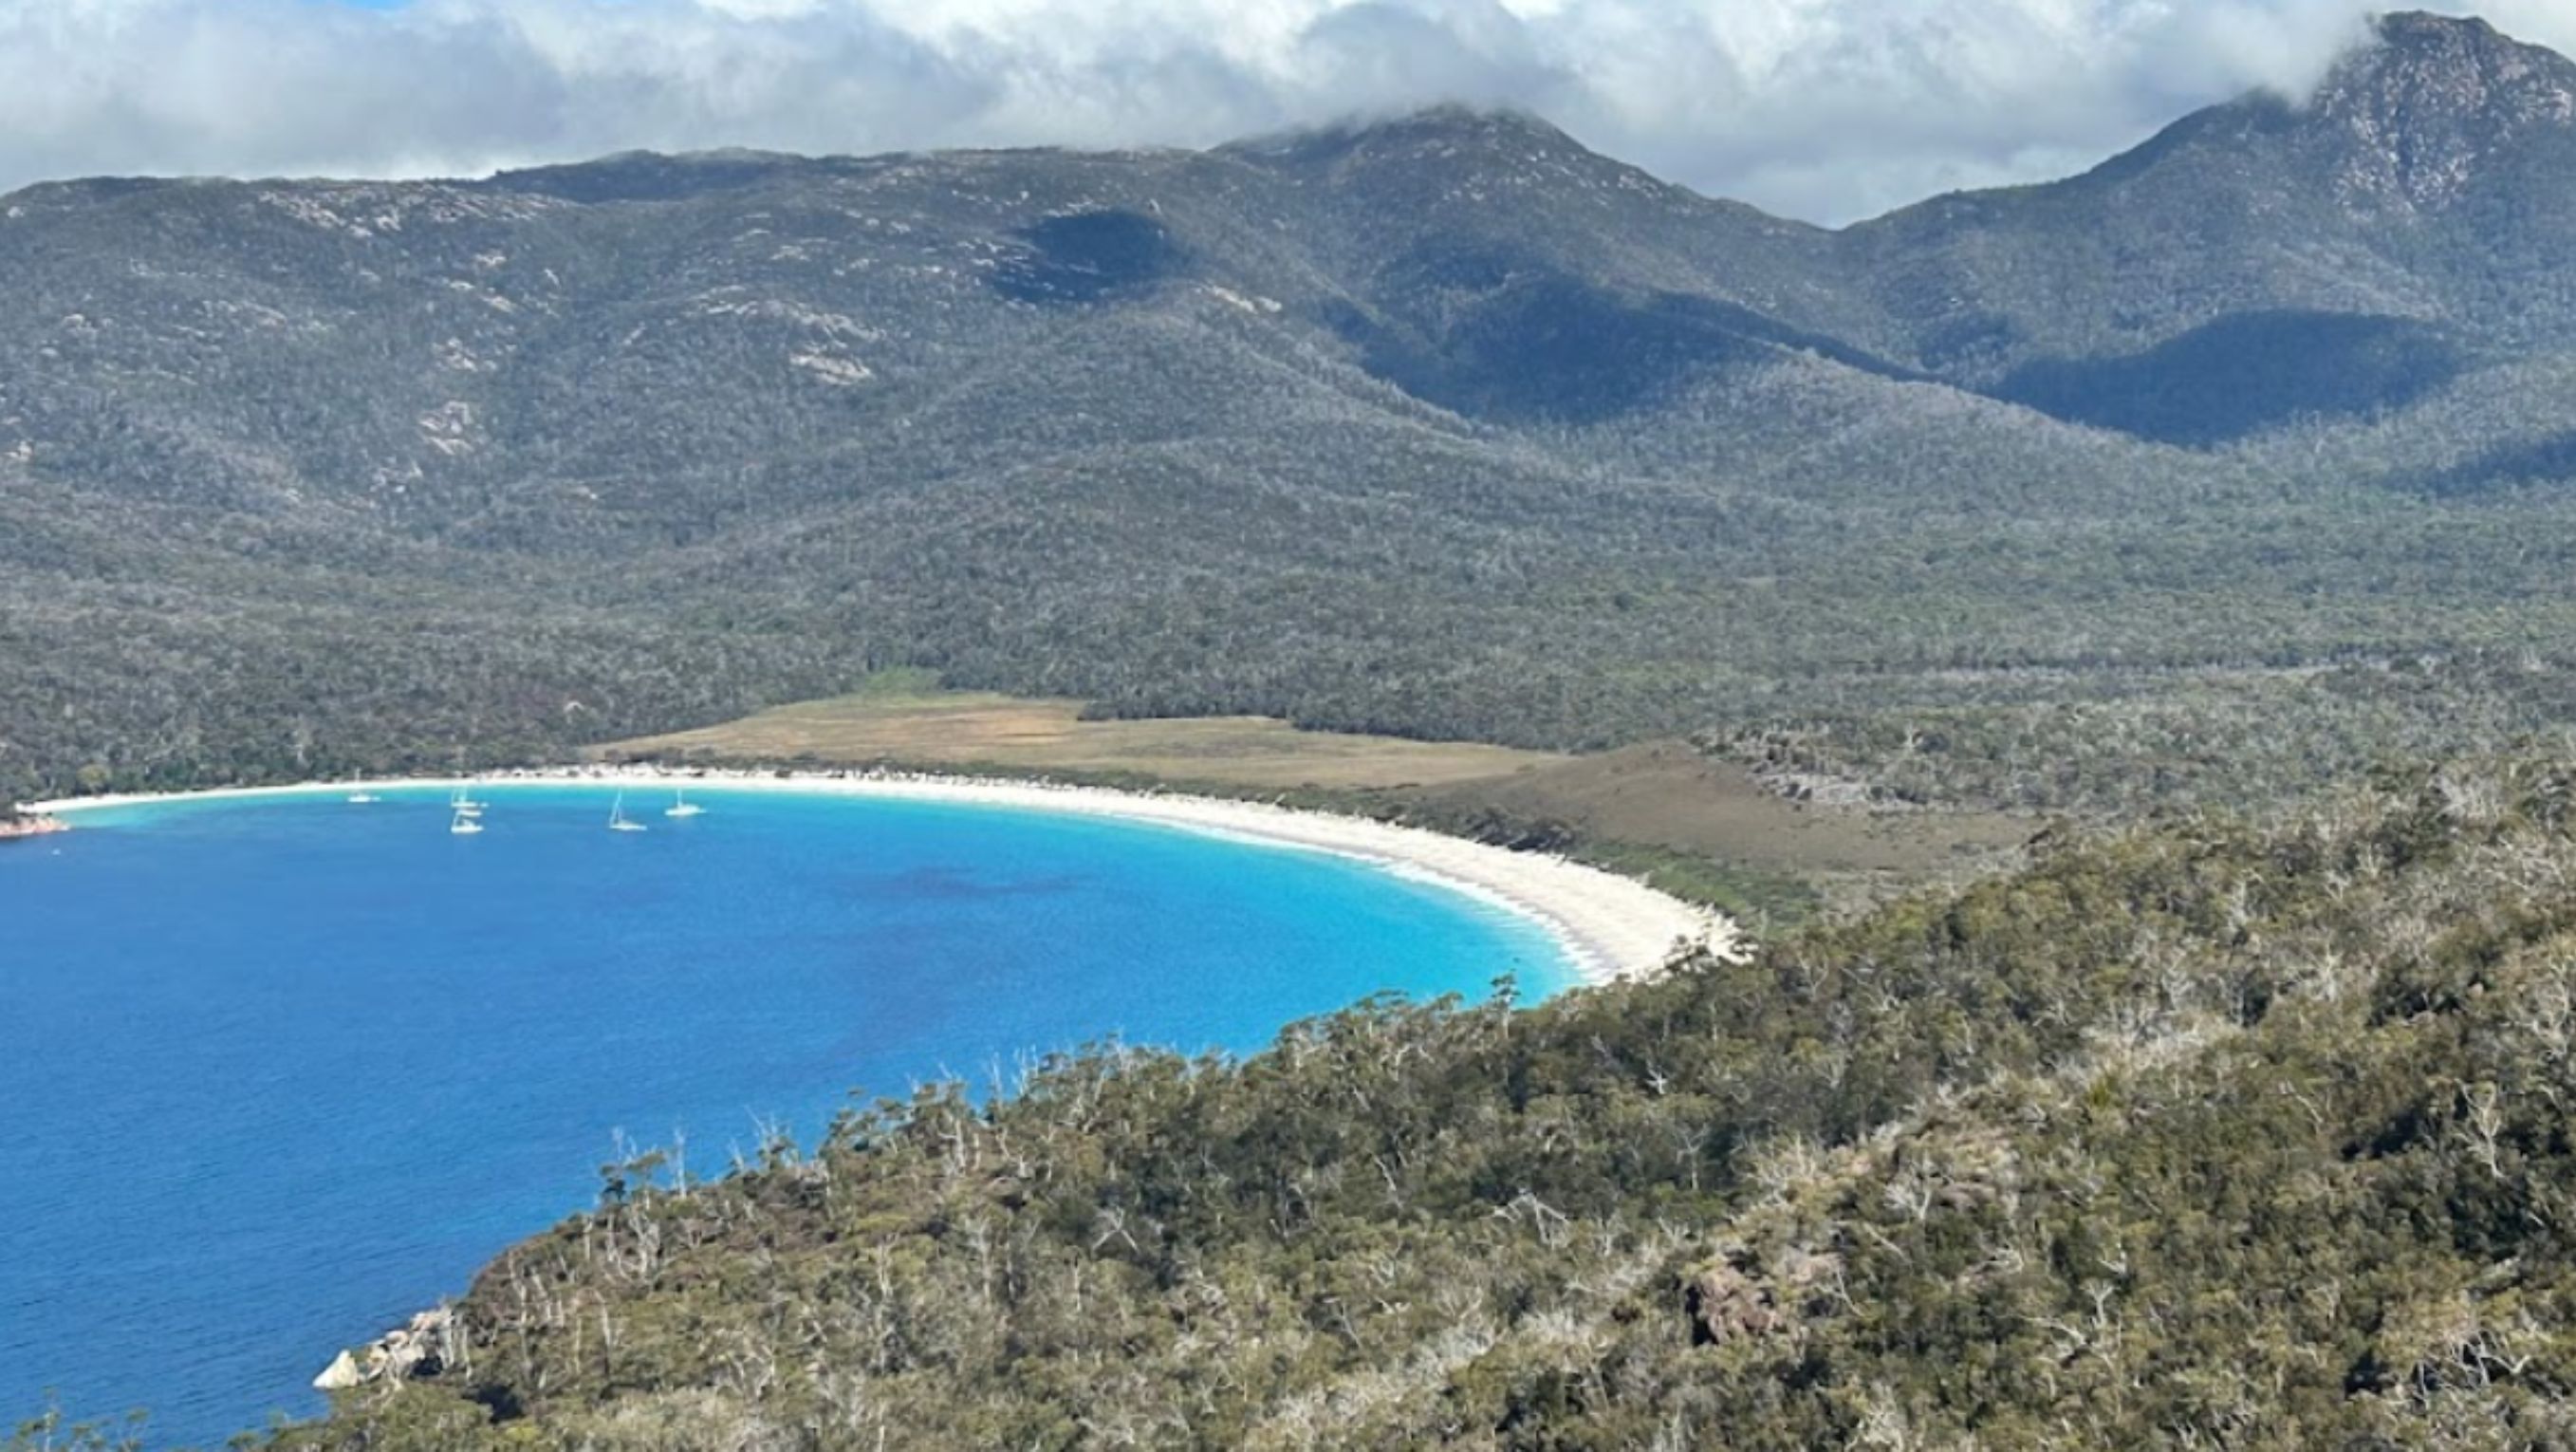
[[432, 1342], [14, 828]]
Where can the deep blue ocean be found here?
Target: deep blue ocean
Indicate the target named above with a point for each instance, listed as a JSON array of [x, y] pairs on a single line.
[[275, 1073]]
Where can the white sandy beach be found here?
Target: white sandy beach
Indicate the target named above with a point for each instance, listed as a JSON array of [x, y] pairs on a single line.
[[1610, 927]]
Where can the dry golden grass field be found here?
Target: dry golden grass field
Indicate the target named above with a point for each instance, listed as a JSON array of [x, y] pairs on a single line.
[[974, 729], [1661, 796]]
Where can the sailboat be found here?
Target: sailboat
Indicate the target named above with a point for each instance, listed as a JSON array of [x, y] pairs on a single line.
[[463, 803], [463, 825], [680, 806], [617, 821], [363, 799]]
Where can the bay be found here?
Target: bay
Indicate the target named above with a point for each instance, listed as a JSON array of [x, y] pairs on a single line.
[[277, 1072]]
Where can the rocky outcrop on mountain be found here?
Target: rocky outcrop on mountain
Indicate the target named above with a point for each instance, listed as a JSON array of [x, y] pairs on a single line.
[[2414, 121]]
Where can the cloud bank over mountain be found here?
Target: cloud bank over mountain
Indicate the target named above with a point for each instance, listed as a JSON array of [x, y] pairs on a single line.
[[1823, 109]]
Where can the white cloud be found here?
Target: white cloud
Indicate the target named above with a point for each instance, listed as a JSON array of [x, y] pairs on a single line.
[[1826, 109]]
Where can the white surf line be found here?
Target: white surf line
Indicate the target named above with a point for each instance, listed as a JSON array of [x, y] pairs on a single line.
[[1607, 926]]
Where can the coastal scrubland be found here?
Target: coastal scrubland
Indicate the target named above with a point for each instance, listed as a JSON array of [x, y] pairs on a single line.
[[2214, 1132]]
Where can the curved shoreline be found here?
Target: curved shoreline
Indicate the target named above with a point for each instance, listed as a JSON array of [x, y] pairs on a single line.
[[1609, 927]]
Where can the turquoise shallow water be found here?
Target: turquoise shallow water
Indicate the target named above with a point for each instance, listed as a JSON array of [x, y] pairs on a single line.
[[274, 1073]]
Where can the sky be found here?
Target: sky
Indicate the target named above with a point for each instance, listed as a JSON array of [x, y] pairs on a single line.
[[1826, 110]]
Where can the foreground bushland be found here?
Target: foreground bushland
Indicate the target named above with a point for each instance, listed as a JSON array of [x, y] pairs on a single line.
[[2221, 1133]]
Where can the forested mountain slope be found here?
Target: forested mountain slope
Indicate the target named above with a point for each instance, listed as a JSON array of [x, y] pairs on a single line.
[[1441, 426]]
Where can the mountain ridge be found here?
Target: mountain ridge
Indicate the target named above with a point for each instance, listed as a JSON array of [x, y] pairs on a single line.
[[1409, 251], [2409, 57]]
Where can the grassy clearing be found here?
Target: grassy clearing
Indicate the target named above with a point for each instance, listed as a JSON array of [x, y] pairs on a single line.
[[898, 720], [1663, 812]]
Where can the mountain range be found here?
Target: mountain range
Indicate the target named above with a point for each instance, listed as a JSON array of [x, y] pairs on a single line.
[[1440, 425]]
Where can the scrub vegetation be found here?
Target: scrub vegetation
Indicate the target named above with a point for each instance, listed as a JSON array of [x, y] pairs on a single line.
[[2242, 1135]]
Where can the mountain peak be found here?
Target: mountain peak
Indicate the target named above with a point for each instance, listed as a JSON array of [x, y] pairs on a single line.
[[2459, 59], [1488, 123], [2423, 108], [2405, 27], [1446, 128]]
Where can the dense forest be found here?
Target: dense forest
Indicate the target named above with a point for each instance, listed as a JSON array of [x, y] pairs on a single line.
[[2214, 1133]]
